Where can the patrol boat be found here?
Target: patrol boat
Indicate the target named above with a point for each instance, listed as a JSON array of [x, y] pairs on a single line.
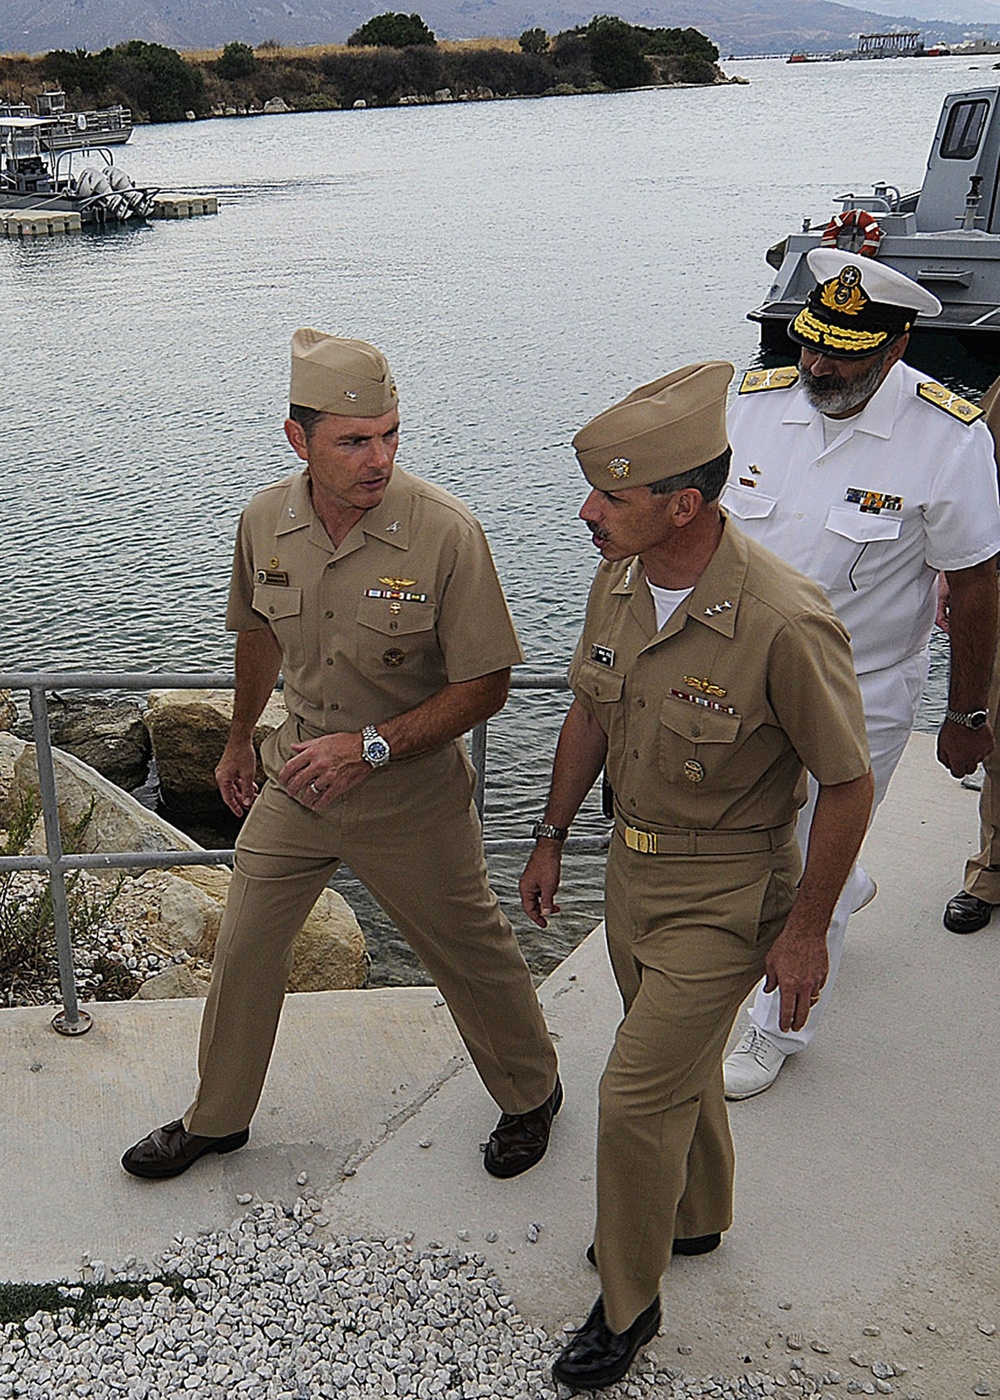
[[37, 172], [106, 126], [945, 235]]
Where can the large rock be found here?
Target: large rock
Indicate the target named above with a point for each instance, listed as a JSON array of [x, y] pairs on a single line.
[[188, 730], [107, 734], [180, 909], [185, 907], [117, 823], [8, 711]]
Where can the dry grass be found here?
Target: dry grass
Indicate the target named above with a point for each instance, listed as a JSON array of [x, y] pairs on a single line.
[[317, 50]]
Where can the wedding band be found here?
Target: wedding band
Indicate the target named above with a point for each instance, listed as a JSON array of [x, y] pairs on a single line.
[[814, 1000], [315, 789]]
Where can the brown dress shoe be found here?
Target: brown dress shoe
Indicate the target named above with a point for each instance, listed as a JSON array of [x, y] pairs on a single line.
[[170, 1150], [967, 913], [519, 1140]]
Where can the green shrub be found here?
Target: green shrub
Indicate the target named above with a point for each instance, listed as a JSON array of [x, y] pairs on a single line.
[[534, 41], [393, 31], [616, 52], [236, 61]]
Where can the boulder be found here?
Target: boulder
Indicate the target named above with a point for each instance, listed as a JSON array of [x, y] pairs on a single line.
[[180, 909], [175, 981], [188, 730], [8, 711], [185, 907], [107, 734], [117, 823], [274, 105]]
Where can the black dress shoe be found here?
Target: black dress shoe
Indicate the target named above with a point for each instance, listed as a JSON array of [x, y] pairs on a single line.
[[596, 1356], [170, 1150], [692, 1244], [967, 913], [519, 1140]]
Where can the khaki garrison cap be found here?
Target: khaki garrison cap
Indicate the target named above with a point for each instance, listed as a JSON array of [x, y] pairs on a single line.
[[662, 429], [333, 375]]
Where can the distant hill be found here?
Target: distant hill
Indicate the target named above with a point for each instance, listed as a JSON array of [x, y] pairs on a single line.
[[737, 26]]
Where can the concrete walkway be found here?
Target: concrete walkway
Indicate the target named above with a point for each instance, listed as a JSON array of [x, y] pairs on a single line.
[[868, 1177]]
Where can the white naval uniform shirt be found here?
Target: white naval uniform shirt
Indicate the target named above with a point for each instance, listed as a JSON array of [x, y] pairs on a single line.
[[904, 491]]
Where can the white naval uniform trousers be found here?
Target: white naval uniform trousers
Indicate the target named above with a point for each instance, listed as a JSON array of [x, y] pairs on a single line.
[[872, 513]]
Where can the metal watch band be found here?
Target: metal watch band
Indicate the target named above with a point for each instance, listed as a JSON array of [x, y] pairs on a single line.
[[374, 748], [970, 719], [554, 833]]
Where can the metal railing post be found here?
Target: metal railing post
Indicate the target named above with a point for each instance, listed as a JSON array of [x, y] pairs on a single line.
[[71, 1020], [479, 764]]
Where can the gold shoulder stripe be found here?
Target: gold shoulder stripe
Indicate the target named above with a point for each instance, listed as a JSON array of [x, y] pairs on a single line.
[[950, 403], [755, 381]]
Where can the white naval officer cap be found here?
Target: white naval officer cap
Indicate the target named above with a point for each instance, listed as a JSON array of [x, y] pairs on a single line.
[[858, 306]]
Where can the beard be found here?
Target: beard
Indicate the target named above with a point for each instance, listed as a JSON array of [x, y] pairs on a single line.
[[832, 395]]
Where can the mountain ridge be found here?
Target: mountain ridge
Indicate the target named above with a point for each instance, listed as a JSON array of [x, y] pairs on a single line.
[[750, 27]]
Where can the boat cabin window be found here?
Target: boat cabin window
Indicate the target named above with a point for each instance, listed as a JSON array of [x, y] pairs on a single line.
[[964, 130]]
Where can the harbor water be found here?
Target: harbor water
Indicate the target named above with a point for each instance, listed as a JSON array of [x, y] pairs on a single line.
[[524, 264]]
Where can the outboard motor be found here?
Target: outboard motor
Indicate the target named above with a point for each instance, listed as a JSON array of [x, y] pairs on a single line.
[[125, 188], [93, 186]]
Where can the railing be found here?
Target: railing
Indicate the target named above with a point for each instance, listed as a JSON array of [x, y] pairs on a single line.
[[56, 862]]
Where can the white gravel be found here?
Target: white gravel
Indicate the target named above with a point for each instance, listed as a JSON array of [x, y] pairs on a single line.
[[274, 1309]]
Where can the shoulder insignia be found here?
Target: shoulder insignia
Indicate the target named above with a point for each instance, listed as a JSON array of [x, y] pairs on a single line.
[[755, 381], [950, 403]]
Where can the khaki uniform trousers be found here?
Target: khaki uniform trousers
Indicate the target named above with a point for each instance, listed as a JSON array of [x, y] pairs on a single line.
[[412, 835], [687, 936], [982, 872]]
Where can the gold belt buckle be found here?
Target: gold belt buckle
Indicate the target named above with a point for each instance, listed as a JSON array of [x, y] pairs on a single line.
[[642, 841]]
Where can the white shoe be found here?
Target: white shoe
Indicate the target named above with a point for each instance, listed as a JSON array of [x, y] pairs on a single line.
[[753, 1066], [867, 895]]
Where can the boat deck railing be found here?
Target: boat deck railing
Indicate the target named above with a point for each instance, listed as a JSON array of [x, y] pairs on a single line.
[[56, 862]]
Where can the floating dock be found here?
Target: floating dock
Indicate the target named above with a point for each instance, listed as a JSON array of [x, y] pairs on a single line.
[[183, 206], [32, 223]]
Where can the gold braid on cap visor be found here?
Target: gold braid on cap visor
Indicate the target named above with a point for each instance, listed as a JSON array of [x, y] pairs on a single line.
[[832, 337]]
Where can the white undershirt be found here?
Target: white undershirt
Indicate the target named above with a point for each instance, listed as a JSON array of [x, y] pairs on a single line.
[[667, 601]]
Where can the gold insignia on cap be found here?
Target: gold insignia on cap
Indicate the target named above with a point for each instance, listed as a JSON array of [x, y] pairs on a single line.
[[618, 468], [398, 582], [843, 292], [693, 771]]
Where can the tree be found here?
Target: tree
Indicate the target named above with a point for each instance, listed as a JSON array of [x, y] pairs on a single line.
[[616, 52], [534, 41], [236, 61], [157, 79], [392, 30]]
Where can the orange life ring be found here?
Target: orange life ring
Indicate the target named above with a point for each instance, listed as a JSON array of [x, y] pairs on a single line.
[[849, 219]]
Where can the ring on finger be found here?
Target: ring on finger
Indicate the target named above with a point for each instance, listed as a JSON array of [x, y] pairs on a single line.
[[315, 789]]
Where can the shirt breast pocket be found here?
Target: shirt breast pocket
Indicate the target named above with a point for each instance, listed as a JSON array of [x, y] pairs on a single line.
[[600, 684], [867, 538], [746, 503], [377, 614], [282, 609], [696, 742]]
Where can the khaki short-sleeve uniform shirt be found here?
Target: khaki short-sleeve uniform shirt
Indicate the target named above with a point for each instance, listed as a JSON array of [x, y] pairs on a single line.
[[409, 602], [712, 720]]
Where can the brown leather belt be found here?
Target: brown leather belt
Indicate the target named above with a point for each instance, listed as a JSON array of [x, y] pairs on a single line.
[[702, 843]]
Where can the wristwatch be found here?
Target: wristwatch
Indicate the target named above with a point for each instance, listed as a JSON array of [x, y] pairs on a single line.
[[374, 749], [554, 833], [972, 719]]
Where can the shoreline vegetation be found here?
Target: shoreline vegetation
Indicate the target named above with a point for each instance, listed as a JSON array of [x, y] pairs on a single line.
[[392, 60]]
